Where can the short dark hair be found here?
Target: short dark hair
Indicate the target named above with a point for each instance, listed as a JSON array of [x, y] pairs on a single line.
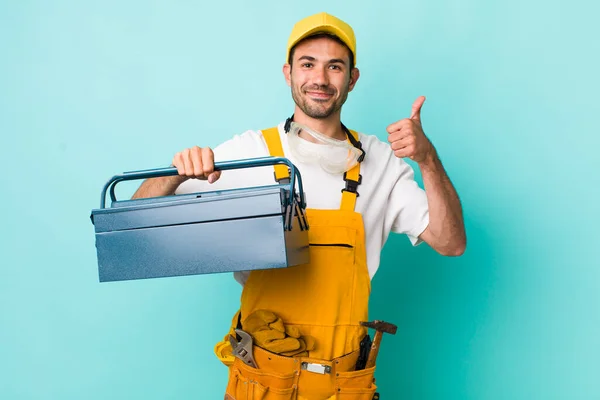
[[323, 35]]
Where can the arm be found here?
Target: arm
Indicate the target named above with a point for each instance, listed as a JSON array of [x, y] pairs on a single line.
[[195, 162], [156, 187], [445, 232]]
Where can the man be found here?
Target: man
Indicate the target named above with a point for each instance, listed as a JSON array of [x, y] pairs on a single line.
[[305, 320]]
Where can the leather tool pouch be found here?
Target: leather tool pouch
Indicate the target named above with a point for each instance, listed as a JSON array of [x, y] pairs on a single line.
[[286, 378]]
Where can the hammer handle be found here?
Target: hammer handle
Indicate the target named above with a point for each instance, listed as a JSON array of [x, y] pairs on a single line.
[[374, 350]]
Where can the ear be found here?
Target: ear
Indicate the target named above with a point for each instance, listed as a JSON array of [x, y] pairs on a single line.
[[287, 71], [354, 75]]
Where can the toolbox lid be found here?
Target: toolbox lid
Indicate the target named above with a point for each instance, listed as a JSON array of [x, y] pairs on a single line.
[[191, 208]]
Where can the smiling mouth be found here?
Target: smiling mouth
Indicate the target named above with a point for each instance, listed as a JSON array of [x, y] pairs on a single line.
[[320, 95]]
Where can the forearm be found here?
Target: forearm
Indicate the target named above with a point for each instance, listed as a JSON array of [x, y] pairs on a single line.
[[155, 187], [446, 225]]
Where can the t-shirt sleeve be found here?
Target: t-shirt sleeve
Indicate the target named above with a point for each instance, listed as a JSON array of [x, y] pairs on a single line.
[[409, 210]]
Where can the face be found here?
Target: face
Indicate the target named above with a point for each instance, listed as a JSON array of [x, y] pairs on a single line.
[[320, 77]]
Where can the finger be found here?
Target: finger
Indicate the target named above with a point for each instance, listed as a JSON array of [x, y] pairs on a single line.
[[212, 178], [178, 163], [400, 135], [416, 108], [187, 162], [196, 159], [408, 151], [399, 125], [403, 143], [208, 161], [208, 165]]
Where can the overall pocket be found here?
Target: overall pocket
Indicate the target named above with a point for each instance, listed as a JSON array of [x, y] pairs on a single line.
[[356, 385], [360, 379], [247, 383], [356, 394]]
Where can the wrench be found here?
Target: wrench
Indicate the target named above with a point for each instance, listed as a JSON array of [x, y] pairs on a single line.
[[243, 348]]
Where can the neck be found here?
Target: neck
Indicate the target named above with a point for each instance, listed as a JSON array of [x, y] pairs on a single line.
[[330, 126]]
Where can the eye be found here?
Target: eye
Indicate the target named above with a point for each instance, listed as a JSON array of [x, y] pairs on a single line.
[[306, 65], [334, 66]]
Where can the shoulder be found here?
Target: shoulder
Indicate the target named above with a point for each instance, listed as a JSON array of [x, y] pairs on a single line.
[[255, 135], [374, 144], [376, 149], [246, 137], [250, 143], [381, 159]]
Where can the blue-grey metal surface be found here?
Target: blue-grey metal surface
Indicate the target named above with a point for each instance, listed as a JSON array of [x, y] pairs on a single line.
[[222, 166], [194, 208], [201, 233]]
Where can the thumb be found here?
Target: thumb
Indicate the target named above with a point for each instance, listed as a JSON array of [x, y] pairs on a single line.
[[212, 178], [416, 108]]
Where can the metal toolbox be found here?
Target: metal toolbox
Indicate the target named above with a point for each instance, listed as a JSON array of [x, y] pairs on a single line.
[[239, 229]]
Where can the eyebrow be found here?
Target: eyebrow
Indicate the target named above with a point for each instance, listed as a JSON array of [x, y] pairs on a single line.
[[332, 61], [309, 58]]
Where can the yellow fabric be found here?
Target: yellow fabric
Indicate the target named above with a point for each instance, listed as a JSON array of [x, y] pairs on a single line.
[[223, 349], [270, 333], [282, 378], [271, 136], [322, 22], [324, 300], [349, 198]]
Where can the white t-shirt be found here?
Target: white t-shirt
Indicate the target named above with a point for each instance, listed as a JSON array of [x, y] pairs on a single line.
[[390, 199]]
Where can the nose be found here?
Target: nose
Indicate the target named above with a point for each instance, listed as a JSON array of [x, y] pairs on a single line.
[[320, 76]]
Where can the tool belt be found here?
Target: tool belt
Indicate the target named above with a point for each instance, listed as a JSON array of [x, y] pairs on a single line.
[[300, 378], [257, 373]]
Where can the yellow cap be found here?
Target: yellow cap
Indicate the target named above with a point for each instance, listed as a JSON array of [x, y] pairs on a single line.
[[322, 22]]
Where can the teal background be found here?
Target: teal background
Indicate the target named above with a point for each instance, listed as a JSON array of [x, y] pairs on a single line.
[[90, 89]]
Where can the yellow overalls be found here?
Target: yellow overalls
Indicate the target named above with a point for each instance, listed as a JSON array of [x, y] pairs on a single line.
[[325, 299]]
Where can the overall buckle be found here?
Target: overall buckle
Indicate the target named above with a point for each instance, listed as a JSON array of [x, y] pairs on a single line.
[[352, 185]]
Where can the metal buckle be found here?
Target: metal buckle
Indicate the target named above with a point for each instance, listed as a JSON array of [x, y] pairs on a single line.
[[316, 368]]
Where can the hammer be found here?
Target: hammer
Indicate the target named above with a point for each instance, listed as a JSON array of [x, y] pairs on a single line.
[[380, 327]]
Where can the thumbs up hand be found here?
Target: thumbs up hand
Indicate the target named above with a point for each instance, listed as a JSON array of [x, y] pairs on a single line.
[[407, 138]]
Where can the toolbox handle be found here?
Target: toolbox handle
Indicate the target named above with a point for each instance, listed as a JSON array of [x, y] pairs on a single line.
[[219, 166]]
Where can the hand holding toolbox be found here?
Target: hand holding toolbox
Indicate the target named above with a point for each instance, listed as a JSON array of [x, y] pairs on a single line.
[[239, 229]]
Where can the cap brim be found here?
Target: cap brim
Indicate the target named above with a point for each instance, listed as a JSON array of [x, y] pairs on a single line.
[[332, 30]]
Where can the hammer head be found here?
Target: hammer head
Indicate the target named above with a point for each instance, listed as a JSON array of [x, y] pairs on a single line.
[[381, 326]]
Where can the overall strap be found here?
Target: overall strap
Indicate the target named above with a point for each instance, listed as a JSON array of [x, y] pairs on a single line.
[[353, 178], [273, 141]]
